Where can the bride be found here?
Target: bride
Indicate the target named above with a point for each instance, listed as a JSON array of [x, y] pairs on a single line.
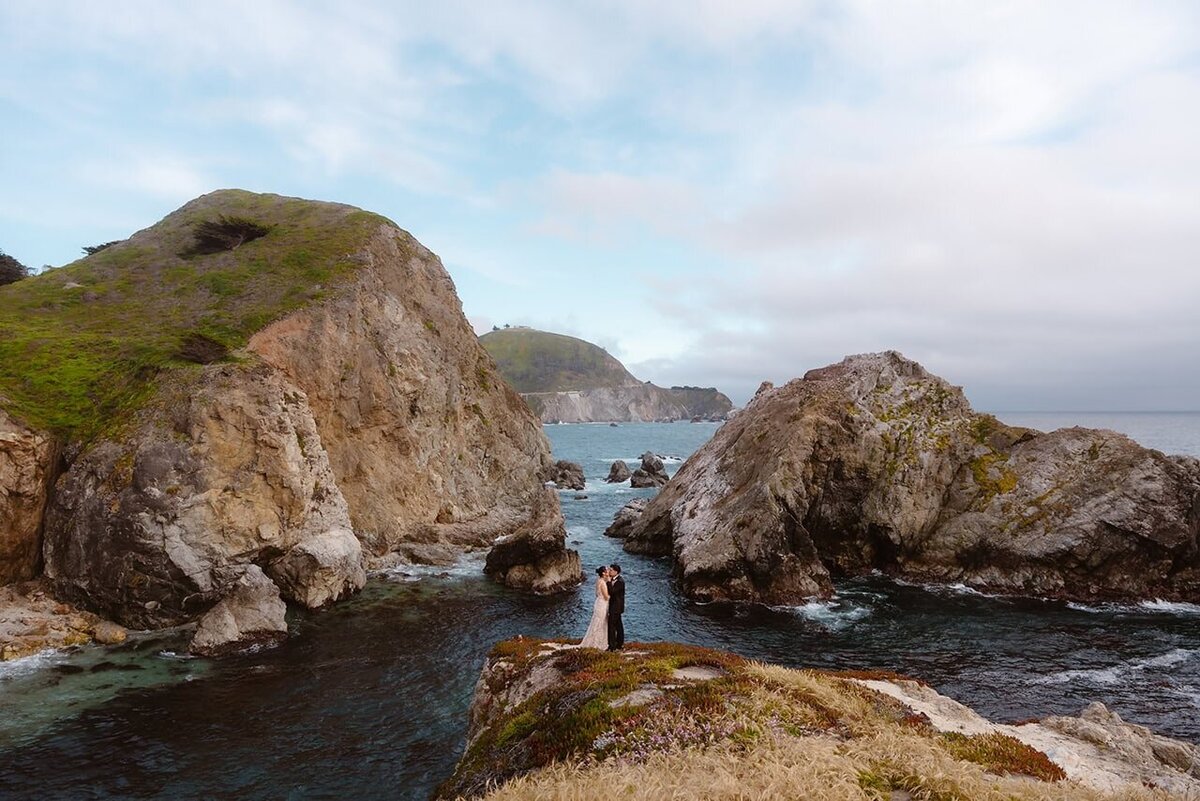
[[597, 633]]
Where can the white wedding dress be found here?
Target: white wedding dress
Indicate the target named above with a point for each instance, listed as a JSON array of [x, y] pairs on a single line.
[[597, 633]]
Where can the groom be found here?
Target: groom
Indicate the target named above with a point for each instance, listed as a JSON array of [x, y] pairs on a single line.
[[616, 608]]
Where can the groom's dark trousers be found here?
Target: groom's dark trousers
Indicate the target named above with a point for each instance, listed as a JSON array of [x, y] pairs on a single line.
[[616, 608]]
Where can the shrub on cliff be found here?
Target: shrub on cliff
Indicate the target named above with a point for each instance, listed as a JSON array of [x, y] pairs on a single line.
[[224, 233], [91, 250], [11, 270]]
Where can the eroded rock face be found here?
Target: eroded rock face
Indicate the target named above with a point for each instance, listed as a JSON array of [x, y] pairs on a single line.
[[637, 402], [250, 613], [32, 620], [426, 441], [227, 469], [874, 463], [28, 462]]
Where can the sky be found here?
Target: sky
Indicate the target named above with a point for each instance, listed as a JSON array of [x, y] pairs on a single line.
[[717, 193]]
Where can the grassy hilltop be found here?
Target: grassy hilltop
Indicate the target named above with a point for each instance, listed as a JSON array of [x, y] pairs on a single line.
[[538, 361], [82, 343]]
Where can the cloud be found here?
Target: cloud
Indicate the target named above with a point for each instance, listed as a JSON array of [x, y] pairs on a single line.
[[1007, 191]]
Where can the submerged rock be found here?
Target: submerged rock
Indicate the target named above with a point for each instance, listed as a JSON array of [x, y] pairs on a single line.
[[875, 464], [618, 473]]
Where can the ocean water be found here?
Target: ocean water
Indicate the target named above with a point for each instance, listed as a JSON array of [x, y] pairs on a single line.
[[1169, 432], [369, 699]]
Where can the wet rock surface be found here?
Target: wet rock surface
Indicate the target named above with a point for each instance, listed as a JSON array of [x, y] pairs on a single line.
[[32, 620], [626, 517]]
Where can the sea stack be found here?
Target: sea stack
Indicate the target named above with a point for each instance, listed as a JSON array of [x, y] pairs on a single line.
[[874, 464]]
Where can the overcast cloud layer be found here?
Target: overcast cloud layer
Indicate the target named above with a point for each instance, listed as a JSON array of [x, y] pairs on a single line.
[[719, 193]]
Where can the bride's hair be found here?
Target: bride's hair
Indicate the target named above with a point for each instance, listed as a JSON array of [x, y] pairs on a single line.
[[600, 570]]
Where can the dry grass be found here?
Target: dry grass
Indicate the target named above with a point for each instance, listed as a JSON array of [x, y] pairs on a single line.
[[820, 767]]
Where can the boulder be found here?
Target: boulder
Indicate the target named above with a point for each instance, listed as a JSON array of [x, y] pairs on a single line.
[[875, 464], [1133, 752], [652, 473], [535, 557], [107, 633], [618, 473], [566, 475], [321, 569], [250, 613], [625, 518]]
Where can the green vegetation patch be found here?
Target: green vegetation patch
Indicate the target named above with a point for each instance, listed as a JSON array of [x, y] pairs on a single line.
[[80, 346], [993, 475], [538, 361], [1003, 755]]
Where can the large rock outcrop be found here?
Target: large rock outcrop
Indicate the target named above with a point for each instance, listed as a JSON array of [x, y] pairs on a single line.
[[339, 415], [875, 464], [667, 720], [567, 475]]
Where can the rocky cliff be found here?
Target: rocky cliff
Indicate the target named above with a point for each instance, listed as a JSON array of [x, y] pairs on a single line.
[[308, 405], [875, 464], [568, 380], [28, 467], [663, 720]]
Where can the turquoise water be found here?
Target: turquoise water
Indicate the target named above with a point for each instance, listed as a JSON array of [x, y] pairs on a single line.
[[369, 699]]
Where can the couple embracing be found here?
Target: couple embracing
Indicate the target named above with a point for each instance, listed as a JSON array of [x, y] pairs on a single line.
[[606, 630]]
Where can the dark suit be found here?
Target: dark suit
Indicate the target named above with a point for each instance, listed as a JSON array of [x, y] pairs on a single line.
[[616, 608]]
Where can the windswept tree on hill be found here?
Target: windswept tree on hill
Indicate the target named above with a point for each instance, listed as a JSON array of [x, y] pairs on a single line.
[[11, 270], [93, 249]]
